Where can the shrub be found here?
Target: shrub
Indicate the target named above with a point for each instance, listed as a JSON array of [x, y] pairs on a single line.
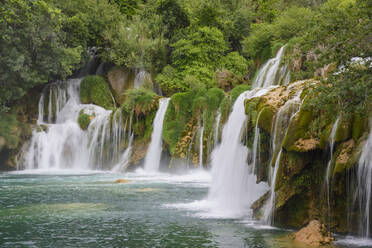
[[94, 89]]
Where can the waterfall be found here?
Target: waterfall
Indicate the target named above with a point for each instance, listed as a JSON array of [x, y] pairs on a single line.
[[272, 72], [141, 78], [328, 173], [255, 152], [233, 187], [59, 143], [201, 147], [282, 120], [364, 187], [217, 127], [153, 155]]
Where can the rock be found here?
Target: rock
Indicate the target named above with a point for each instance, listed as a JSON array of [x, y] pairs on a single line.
[[122, 181], [314, 234], [120, 79], [2, 142]]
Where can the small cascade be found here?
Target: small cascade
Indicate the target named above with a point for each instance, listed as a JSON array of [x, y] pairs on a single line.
[[216, 128], [364, 188], [59, 143], [255, 152], [153, 155], [272, 72], [201, 147], [282, 121], [328, 173], [233, 187], [141, 78]]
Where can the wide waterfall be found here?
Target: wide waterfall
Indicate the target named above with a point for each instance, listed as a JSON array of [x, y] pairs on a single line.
[[364, 188], [58, 142], [153, 155]]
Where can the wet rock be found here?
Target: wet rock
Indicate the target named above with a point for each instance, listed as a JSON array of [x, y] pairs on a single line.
[[122, 181], [314, 234]]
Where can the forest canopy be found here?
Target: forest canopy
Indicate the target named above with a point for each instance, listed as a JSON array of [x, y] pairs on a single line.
[[184, 44]]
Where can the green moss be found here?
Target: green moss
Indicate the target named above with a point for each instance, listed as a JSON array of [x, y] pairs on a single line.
[[266, 118], [298, 128], [9, 130], [94, 89], [344, 130], [83, 120], [235, 93], [142, 101], [360, 124]]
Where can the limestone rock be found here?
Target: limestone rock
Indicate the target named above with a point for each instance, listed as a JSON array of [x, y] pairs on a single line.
[[314, 234], [122, 181], [120, 79]]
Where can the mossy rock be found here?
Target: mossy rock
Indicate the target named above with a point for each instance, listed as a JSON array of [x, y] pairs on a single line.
[[10, 130], [95, 90], [298, 129], [348, 155], [360, 125], [344, 130], [84, 120], [266, 118]]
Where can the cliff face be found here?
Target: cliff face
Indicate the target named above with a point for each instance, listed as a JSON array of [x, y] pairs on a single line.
[[301, 185]]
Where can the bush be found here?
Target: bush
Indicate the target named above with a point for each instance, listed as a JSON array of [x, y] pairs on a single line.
[[83, 120], [94, 89], [142, 101]]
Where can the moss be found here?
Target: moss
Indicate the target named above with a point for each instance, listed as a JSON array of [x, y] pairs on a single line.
[[83, 120], [9, 130], [235, 93], [142, 101], [298, 128], [94, 89], [344, 130], [266, 118], [360, 124]]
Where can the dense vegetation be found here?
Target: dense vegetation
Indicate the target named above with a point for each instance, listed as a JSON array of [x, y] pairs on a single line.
[[190, 46]]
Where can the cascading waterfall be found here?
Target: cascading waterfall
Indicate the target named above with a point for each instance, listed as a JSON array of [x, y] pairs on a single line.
[[282, 120], [272, 72], [255, 152], [216, 128], [201, 147], [59, 143], [328, 173], [153, 155], [141, 78], [233, 187], [364, 188]]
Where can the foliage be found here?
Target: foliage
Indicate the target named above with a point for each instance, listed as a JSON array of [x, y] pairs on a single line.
[[136, 44], [32, 47], [142, 101], [83, 120], [9, 130], [94, 89], [235, 63]]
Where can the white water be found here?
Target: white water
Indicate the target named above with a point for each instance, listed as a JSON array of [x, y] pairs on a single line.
[[217, 127], [255, 152], [282, 120], [272, 72], [61, 143], [233, 187], [153, 155], [328, 173], [141, 78], [364, 187], [201, 147]]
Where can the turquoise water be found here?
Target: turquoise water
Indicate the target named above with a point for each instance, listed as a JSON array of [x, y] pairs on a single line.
[[90, 210]]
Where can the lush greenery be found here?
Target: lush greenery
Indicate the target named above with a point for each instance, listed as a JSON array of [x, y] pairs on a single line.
[[94, 89], [83, 120]]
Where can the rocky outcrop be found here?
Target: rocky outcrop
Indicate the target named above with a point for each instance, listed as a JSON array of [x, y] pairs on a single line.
[[120, 79], [314, 234]]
